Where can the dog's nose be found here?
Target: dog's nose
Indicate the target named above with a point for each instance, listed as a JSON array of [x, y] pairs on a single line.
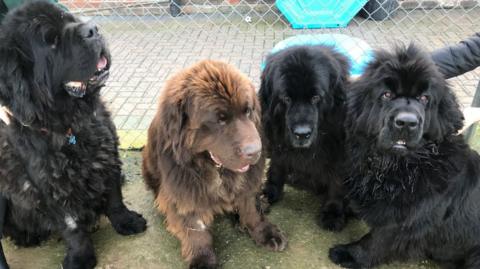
[[302, 132], [89, 30], [251, 151], [406, 120]]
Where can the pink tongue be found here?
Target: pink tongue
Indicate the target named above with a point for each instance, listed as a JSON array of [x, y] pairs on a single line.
[[243, 169], [102, 63]]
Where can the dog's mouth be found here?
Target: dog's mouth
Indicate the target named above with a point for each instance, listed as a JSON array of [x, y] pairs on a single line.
[[400, 145], [78, 89], [218, 163]]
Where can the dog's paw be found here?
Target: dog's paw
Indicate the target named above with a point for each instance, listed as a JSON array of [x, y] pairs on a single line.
[[86, 261], [128, 222], [205, 259], [272, 193], [332, 218], [270, 237], [28, 239], [340, 255]]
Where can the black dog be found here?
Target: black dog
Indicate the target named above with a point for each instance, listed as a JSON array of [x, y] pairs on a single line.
[[303, 108], [412, 178], [59, 162]]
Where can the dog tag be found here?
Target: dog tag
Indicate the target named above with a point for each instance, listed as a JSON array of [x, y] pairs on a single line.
[[72, 140]]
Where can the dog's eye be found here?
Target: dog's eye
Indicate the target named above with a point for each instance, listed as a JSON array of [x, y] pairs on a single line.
[[51, 38], [424, 99], [315, 99], [248, 112], [287, 100], [55, 43], [388, 95], [222, 119]]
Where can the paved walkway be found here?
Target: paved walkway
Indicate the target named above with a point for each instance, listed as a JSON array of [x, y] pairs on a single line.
[[146, 51]]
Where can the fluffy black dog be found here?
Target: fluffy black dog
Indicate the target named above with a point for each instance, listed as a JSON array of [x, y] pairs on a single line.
[[303, 108], [59, 164], [412, 178]]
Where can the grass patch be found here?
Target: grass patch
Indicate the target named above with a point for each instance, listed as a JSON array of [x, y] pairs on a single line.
[[157, 249]]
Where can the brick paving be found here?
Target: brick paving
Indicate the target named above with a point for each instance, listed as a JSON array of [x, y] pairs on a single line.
[[147, 51]]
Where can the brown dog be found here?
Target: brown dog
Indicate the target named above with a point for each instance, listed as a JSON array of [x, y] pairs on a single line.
[[203, 157]]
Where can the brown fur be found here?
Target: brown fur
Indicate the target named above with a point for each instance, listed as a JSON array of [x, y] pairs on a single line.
[[189, 186]]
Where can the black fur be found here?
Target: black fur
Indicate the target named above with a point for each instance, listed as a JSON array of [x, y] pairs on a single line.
[[52, 185], [303, 88], [421, 200]]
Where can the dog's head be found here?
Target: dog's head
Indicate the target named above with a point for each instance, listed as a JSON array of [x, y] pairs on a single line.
[[48, 55], [403, 102], [211, 108], [301, 87]]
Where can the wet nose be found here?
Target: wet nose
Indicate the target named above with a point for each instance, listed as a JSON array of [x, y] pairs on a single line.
[[302, 132], [89, 30], [251, 151], [406, 120]]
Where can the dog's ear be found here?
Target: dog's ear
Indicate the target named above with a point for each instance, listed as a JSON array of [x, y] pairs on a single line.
[[339, 75], [266, 87], [257, 110], [265, 96], [174, 118], [449, 119], [24, 85], [19, 91], [358, 105], [265, 93]]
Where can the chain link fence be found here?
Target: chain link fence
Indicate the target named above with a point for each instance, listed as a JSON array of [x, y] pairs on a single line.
[[150, 40]]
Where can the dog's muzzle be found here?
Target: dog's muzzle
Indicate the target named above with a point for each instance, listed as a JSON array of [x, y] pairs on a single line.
[[406, 129], [78, 89]]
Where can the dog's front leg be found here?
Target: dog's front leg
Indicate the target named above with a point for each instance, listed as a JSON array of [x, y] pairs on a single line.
[[123, 220], [333, 215], [80, 251], [373, 249], [195, 238], [276, 177], [260, 229]]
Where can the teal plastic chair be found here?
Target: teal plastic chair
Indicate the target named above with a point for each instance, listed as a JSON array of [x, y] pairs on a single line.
[[319, 14]]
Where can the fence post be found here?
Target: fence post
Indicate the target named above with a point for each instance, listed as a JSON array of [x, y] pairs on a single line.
[[175, 7]]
